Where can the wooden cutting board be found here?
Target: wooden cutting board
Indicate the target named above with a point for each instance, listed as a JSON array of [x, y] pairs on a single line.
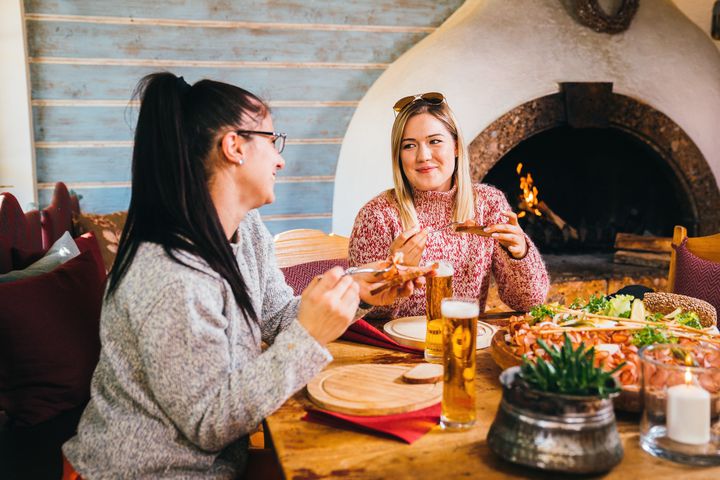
[[367, 389]]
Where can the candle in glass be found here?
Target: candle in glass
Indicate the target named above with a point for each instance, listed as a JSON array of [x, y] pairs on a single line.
[[688, 413]]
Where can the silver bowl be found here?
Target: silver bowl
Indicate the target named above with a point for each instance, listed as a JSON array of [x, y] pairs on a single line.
[[549, 431]]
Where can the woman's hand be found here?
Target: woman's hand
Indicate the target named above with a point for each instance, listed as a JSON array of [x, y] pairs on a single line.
[[328, 305], [369, 281], [412, 243], [510, 235]]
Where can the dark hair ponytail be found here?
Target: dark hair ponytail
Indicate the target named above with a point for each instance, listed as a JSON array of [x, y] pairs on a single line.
[[170, 205]]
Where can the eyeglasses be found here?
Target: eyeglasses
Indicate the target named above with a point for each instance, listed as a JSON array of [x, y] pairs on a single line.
[[433, 98], [278, 139]]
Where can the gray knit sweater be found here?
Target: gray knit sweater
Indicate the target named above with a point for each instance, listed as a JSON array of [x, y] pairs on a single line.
[[181, 378]]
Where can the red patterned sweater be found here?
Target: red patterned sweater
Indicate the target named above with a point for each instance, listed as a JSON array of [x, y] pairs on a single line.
[[521, 283]]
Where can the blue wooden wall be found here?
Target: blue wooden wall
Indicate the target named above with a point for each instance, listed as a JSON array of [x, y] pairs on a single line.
[[312, 60]]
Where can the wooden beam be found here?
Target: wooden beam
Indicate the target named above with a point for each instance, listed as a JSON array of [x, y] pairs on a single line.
[[645, 259], [643, 243]]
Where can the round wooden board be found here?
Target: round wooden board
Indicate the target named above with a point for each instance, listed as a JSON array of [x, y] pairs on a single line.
[[410, 332], [629, 400], [367, 389]]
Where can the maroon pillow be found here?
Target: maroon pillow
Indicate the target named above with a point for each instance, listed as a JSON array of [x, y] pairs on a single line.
[[88, 242], [696, 277], [49, 340], [57, 217], [22, 259], [299, 276]]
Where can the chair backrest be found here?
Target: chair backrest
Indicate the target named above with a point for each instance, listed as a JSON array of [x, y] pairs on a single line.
[[707, 248], [304, 245]]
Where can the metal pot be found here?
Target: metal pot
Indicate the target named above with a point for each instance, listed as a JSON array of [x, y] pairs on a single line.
[[564, 433]]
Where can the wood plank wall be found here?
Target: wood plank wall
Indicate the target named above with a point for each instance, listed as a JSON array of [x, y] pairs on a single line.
[[312, 60]]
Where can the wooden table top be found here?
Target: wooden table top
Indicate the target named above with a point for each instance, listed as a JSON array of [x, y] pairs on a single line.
[[312, 451]]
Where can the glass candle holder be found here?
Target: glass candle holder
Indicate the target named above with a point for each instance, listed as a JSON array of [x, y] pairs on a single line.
[[681, 395]]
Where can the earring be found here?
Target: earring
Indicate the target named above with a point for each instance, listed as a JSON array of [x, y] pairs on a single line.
[[240, 161]]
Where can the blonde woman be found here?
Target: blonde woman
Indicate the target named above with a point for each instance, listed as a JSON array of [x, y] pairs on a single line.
[[433, 188]]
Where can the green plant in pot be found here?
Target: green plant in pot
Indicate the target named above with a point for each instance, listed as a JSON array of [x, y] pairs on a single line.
[[557, 413], [569, 371]]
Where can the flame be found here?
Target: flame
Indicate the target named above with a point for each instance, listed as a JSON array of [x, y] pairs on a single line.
[[529, 200], [688, 377], [688, 359]]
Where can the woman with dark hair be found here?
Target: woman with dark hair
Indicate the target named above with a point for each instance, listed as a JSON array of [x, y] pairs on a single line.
[[182, 378]]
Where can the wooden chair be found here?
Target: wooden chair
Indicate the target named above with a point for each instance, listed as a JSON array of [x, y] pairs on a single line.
[[294, 247], [707, 248]]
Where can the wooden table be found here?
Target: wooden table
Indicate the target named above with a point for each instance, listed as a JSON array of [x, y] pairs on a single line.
[[312, 451]]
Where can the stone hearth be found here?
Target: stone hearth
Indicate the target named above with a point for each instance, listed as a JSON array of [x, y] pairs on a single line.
[[575, 276]]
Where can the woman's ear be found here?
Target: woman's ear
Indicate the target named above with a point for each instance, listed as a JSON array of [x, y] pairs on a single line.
[[232, 146]]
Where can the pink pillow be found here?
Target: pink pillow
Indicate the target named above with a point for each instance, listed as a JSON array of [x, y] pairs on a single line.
[[49, 340], [299, 276], [696, 277]]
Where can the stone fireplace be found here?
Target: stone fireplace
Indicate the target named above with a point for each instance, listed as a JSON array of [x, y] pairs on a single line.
[[605, 162]]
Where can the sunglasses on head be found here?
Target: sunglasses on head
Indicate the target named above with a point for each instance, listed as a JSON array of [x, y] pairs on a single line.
[[433, 98]]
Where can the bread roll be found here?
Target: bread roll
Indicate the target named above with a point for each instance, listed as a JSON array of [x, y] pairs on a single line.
[[662, 302]]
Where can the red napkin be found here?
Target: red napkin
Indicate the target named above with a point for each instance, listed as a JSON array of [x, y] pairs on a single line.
[[407, 426], [362, 332]]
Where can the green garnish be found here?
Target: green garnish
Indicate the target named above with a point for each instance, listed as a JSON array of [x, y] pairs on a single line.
[[689, 319], [655, 317], [570, 371], [620, 306], [540, 312], [576, 304], [597, 304], [650, 335]]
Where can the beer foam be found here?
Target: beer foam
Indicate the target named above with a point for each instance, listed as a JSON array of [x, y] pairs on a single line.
[[460, 309], [444, 270]]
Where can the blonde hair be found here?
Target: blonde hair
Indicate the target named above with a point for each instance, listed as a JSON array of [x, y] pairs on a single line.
[[464, 208]]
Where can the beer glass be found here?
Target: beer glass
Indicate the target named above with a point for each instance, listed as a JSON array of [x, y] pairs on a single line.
[[437, 288], [460, 318]]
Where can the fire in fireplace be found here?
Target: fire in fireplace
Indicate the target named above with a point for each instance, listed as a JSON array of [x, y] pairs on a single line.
[[577, 187]]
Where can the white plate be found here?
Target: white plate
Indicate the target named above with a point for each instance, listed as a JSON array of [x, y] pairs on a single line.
[[410, 332]]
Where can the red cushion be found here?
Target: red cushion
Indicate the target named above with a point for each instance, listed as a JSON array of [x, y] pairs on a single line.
[[57, 217], [696, 277], [88, 242], [299, 276], [14, 230], [22, 259], [49, 340]]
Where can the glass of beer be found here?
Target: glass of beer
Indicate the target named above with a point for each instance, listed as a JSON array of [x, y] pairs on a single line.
[[460, 318], [438, 287]]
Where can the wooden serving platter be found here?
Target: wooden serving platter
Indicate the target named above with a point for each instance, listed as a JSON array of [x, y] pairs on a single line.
[[410, 332], [629, 400], [370, 389]]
